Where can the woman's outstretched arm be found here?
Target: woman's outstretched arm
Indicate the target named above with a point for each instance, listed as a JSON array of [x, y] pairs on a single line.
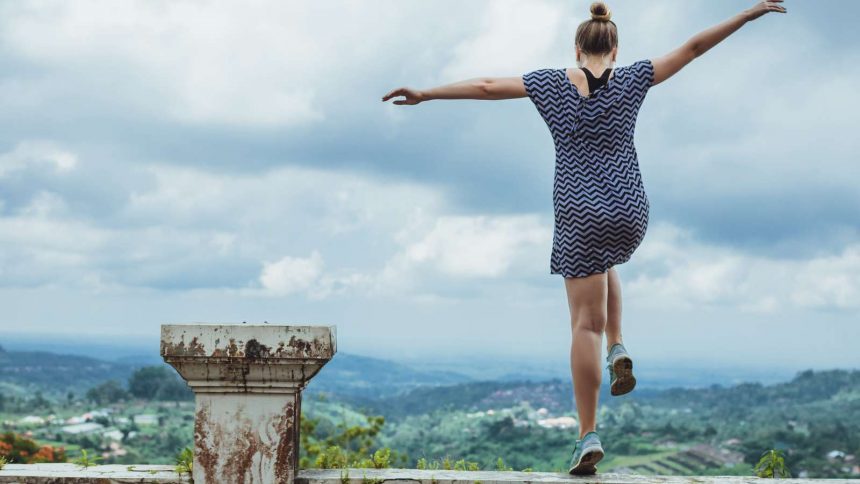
[[666, 66], [486, 88]]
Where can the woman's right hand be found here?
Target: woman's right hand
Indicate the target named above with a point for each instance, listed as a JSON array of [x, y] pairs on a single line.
[[762, 8], [413, 96]]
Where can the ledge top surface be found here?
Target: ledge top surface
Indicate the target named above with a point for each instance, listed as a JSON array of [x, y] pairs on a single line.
[[356, 476], [73, 473], [37, 473], [252, 341]]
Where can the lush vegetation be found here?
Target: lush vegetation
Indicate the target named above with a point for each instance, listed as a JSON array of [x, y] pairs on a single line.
[[682, 431], [19, 449], [808, 426]]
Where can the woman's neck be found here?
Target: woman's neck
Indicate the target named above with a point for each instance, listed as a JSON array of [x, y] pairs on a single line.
[[596, 65]]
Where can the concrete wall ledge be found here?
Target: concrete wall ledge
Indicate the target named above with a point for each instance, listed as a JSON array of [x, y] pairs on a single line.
[[121, 474], [101, 474], [376, 476]]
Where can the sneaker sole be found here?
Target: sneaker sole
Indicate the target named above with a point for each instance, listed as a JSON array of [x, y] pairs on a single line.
[[624, 379], [587, 461]]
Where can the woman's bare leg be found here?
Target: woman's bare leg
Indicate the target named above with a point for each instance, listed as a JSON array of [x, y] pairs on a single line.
[[586, 297], [613, 309]]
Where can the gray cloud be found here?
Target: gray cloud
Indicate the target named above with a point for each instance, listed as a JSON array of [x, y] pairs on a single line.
[[493, 157]]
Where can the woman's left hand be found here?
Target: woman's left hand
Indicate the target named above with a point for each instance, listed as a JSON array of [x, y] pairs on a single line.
[[762, 8]]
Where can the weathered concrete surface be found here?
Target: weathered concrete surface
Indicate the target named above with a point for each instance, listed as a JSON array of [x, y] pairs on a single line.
[[254, 439], [377, 476], [69, 473], [75, 474], [247, 381], [249, 340]]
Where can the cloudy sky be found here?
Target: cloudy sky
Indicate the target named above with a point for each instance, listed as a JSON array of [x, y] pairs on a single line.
[[181, 161]]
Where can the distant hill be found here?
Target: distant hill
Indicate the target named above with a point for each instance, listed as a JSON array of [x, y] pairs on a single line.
[[54, 373], [806, 387], [139, 350], [557, 395], [366, 377], [345, 374], [396, 389]]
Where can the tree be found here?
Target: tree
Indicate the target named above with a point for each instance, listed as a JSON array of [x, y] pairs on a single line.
[[39, 401], [159, 383], [345, 446], [108, 392], [144, 382], [175, 390], [709, 431]]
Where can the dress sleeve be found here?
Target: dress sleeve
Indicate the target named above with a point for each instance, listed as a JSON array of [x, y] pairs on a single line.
[[643, 77], [542, 87]]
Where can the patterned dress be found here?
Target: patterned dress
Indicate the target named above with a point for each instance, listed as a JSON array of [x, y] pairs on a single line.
[[601, 210]]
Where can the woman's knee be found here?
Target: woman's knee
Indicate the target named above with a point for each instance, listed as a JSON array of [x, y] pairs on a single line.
[[587, 298], [591, 319]]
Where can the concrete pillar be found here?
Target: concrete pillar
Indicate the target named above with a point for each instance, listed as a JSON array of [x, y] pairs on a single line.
[[248, 382]]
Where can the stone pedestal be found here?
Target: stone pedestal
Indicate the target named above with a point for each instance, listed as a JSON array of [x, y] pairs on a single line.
[[247, 381]]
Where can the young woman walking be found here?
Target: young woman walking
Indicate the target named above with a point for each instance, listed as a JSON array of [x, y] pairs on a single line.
[[601, 209]]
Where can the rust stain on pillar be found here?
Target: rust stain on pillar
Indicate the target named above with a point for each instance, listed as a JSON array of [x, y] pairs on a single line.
[[205, 457], [287, 462]]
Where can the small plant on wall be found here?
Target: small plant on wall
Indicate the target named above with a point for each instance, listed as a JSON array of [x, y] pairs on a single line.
[[772, 464]]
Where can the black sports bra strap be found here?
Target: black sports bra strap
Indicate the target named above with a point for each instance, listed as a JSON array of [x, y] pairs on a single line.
[[593, 82]]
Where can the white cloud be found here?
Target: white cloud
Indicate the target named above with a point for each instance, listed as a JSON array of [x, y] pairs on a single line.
[[284, 203], [291, 274], [45, 205], [768, 150], [296, 276], [827, 282], [41, 245], [512, 35], [260, 64], [675, 269], [377, 238], [189, 228], [37, 155], [475, 246], [223, 63]]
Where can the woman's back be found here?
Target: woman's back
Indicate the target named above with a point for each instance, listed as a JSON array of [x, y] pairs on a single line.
[[599, 198], [610, 111]]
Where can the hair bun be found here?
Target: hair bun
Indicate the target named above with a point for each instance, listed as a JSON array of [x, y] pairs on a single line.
[[600, 12]]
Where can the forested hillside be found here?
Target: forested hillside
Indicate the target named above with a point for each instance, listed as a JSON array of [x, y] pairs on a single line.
[[145, 415]]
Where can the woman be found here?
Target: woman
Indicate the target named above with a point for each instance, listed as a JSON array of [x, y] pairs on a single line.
[[601, 209]]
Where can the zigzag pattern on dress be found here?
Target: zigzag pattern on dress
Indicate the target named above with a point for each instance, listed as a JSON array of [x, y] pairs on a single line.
[[601, 209]]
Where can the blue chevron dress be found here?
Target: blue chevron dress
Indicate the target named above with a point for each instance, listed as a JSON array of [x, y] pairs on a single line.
[[601, 210]]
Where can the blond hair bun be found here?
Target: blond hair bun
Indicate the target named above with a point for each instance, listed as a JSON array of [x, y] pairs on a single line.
[[600, 12]]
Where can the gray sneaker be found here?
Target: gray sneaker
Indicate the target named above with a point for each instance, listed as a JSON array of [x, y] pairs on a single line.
[[621, 379], [586, 453]]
